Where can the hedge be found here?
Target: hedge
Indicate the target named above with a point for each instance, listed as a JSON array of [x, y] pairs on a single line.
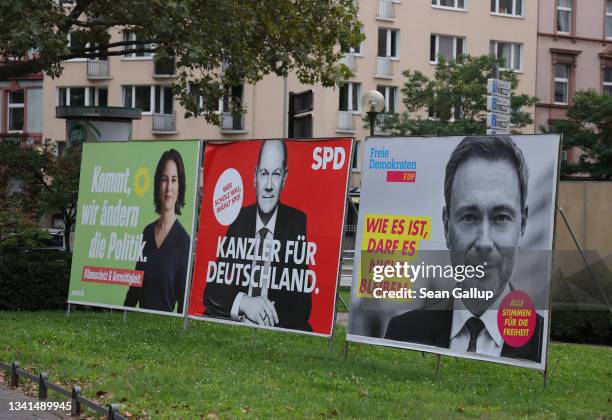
[[34, 281]]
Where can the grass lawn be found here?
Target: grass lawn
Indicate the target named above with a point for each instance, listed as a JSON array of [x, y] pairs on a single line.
[[154, 368]]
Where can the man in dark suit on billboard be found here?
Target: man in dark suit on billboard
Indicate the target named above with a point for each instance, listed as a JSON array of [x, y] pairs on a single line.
[[485, 215], [267, 220]]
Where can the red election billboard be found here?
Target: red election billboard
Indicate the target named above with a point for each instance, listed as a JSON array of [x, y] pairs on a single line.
[[270, 233]]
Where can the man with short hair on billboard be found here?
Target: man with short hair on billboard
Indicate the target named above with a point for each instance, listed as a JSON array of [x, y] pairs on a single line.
[[265, 220], [485, 215]]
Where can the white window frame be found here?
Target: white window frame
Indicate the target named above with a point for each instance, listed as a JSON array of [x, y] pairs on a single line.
[[455, 38], [389, 32], [10, 106], [564, 80], [569, 20], [350, 97], [386, 95], [88, 98], [436, 5], [133, 104], [132, 56], [69, 41], [513, 14], [162, 96], [608, 17], [606, 83], [513, 47]]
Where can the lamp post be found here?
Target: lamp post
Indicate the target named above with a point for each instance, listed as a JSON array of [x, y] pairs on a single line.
[[374, 103]]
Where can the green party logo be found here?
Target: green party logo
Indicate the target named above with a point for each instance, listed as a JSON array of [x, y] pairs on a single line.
[[142, 181]]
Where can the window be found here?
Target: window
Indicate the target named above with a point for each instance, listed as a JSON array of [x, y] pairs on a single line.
[[564, 16], [16, 111], [164, 100], [388, 42], [230, 94], [607, 81], [445, 46], [452, 4], [138, 97], [350, 95], [562, 72], [34, 111], [609, 18], [82, 96], [390, 94], [507, 7], [510, 52], [131, 37], [358, 50]]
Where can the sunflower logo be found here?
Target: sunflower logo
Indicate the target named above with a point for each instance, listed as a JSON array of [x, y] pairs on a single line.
[[142, 181]]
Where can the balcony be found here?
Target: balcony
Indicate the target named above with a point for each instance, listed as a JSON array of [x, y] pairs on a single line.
[[164, 123], [349, 61], [232, 123], [98, 69], [385, 10], [384, 70], [345, 121]]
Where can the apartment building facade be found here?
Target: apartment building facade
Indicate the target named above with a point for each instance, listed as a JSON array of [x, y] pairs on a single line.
[[574, 53], [400, 35]]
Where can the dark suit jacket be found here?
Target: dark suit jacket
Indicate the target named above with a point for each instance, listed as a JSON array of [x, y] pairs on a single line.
[[432, 327], [293, 308]]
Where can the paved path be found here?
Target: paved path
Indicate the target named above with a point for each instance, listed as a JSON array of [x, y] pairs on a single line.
[[7, 396]]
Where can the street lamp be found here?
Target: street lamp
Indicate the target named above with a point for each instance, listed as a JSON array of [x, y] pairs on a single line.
[[374, 103]]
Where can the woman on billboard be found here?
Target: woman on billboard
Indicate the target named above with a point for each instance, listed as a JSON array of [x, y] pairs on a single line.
[[166, 250]]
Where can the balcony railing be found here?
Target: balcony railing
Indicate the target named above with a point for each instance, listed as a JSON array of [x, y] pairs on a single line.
[[97, 69], [385, 10], [164, 123], [383, 67], [349, 61], [230, 122], [345, 120]]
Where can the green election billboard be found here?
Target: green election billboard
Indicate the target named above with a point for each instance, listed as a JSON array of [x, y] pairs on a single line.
[[135, 223]]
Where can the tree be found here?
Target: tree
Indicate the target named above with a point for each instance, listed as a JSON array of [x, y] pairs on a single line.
[[455, 101], [589, 127], [35, 182], [214, 42]]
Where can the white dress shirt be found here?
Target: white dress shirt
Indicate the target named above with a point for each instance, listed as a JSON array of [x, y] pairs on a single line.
[[489, 340], [259, 224]]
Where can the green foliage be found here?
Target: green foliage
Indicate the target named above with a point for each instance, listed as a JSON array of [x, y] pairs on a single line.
[[588, 127], [34, 281], [582, 326], [155, 369], [455, 99], [35, 182], [215, 42]]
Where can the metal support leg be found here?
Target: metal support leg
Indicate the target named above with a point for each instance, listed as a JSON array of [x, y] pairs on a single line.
[[254, 336], [438, 358], [68, 310], [346, 348], [125, 316]]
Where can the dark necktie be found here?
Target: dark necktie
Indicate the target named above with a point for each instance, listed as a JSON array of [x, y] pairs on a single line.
[[474, 326], [263, 232]]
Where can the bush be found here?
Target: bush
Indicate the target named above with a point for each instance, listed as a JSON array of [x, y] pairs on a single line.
[[582, 326], [34, 281]]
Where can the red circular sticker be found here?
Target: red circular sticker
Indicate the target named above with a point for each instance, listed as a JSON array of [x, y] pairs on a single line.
[[516, 318]]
